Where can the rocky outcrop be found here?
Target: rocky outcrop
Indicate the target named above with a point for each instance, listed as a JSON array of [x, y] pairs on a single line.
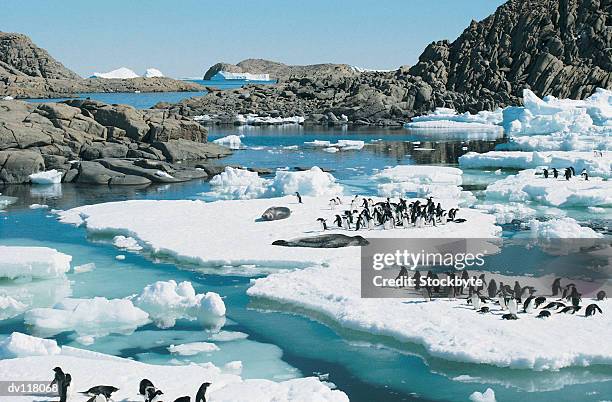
[[282, 72], [555, 47], [96, 143], [27, 71]]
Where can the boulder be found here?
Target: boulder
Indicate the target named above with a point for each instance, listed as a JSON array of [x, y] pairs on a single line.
[[95, 173], [183, 150], [17, 165], [97, 150], [124, 117]]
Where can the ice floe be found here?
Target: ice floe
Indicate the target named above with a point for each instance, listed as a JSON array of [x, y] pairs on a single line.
[[235, 183], [91, 368], [127, 243], [32, 262], [10, 307], [595, 163], [507, 212], [152, 73], [529, 185], [49, 177], [487, 396], [193, 348], [446, 118], [22, 345], [166, 302], [340, 145], [120, 73], [88, 318], [562, 228], [230, 141]]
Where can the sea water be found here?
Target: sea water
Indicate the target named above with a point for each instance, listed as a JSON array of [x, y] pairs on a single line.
[[282, 342]]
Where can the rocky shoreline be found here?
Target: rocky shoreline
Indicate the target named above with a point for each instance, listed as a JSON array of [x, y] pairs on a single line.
[[91, 142]]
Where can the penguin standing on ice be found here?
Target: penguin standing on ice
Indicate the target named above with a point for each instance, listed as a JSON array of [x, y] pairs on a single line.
[[338, 221], [201, 394], [492, 288], [546, 173], [476, 301], [601, 295], [65, 389], [556, 286], [592, 309], [299, 197], [512, 306], [323, 224], [529, 304], [555, 173]]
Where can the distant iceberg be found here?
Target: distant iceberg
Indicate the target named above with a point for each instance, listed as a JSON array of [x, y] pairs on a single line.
[[446, 118], [153, 73], [120, 73], [226, 75]]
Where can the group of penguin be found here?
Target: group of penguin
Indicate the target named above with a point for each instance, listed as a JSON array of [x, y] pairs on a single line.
[[103, 393], [569, 172], [508, 298], [367, 214]]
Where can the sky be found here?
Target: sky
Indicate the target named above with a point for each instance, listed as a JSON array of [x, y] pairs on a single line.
[[183, 38]]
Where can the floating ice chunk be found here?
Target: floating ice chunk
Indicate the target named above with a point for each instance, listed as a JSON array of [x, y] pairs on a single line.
[[314, 182], [84, 268], [22, 345], [487, 396], [234, 183], [563, 228], [8, 98], [317, 143], [32, 262], [127, 243], [48, 177], [256, 120], [340, 145], [230, 141], [331, 150], [161, 173], [228, 336], [346, 145], [234, 366], [445, 118], [95, 317], [38, 206], [168, 301], [120, 73], [506, 213], [152, 73], [527, 186], [419, 181], [194, 348], [120, 257], [9, 307], [5, 201]]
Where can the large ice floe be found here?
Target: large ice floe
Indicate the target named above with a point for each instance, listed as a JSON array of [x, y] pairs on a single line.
[[449, 119], [340, 145], [230, 141], [49, 177], [531, 186], [562, 228], [235, 183], [595, 163], [120, 73], [32, 262], [168, 301], [31, 357]]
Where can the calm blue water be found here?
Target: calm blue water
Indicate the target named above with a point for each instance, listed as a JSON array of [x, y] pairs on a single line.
[[282, 343]]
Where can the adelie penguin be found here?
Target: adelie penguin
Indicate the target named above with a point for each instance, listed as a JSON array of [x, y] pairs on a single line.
[[201, 394], [592, 309], [299, 197], [323, 223], [569, 310], [106, 390], [509, 317], [601, 295], [555, 305], [544, 314], [539, 301], [556, 287]]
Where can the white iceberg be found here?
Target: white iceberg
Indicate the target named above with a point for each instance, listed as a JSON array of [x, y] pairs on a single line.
[[120, 73], [420, 181], [256, 120], [446, 118], [507, 212], [193, 348], [22, 345], [127, 243], [49, 177], [563, 228], [314, 182], [168, 301], [10, 307], [89, 318], [234, 183], [32, 262], [230, 141], [340, 145], [487, 396], [226, 75], [152, 73]]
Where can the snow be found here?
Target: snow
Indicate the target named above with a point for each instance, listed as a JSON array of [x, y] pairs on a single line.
[[89, 318], [22, 345], [230, 141], [127, 243], [314, 182], [161, 173], [32, 262], [168, 301], [419, 181], [530, 186], [120, 73], [235, 183], [446, 118], [594, 163], [226, 75], [49, 177], [152, 73], [8, 98], [563, 228], [487, 396], [91, 368], [194, 348]]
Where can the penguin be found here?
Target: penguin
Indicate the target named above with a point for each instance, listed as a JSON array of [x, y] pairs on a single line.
[[492, 288], [323, 224], [65, 389], [106, 390], [476, 301], [144, 384], [502, 302], [97, 398], [517, 291], [569, 310], [555, 305], [556, 286], [592, 309], [539, 301], [544, 314], [201, 394], [299, 197], [512, 306], [555, 173], [526, 292], [58, 378], [529, 304], [572, 171], [546, 173], [417, 280], [601, 295], [338, 221], [151, 394], [509, 317], [183, 399], [483, 310], [402, 273]]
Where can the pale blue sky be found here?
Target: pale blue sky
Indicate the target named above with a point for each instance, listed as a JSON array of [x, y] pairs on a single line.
[[183, 38]]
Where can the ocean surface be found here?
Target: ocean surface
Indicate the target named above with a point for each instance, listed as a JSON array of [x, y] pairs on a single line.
[[283, 343]]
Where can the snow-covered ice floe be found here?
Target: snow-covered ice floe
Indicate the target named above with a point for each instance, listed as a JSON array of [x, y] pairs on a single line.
[[32, 262], [35, 358], [487, 396], [230, 141], [120, 73], [127, 243], [49, 177], [595, 163], [561, 228], [340, 145], [193, 348], [446, 118], [235, 183], [419, 181], [530, 185]]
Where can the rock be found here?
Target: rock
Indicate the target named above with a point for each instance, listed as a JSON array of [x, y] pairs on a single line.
[[99, 150], [183, 150], [129, 167], [96, 173], [16, 166], [124, 117], [276, 213], [70, 175], [58, 111], [324, 241]]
